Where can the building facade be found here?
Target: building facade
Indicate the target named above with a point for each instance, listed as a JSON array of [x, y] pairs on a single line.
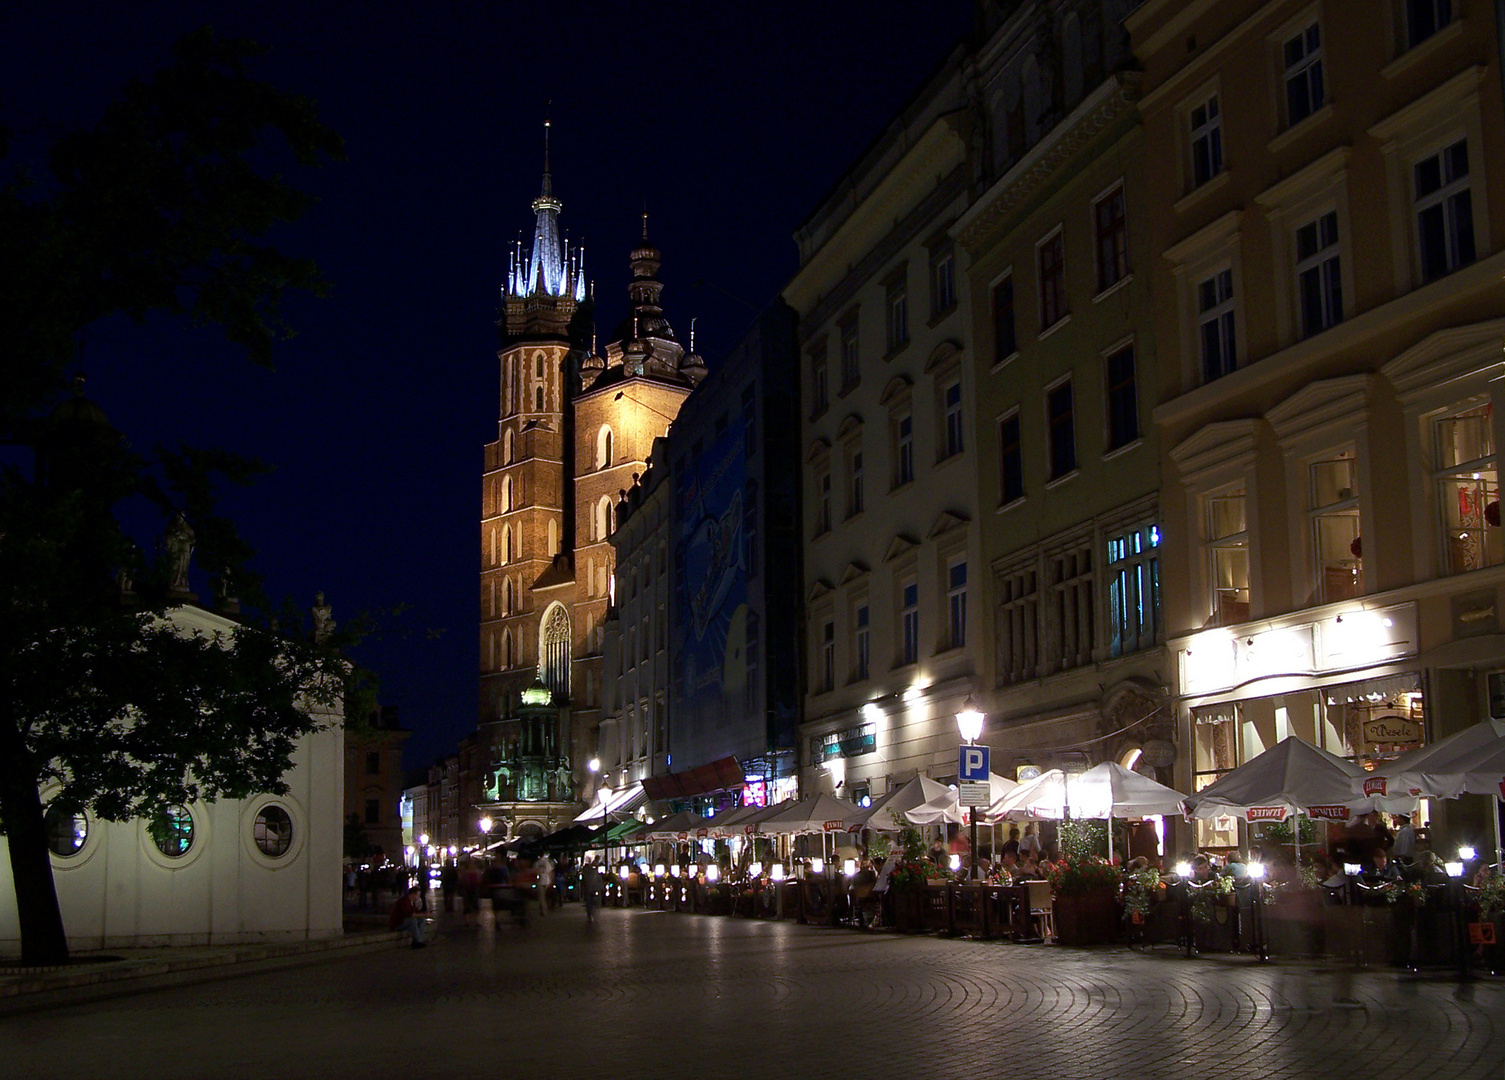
[[1328, 312], [373, 783], [574, 427]]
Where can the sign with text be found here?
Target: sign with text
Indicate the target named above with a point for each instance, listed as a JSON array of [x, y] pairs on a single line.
[[972, 763], [972, 793]]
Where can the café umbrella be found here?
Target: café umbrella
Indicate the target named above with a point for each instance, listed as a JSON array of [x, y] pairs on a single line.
[[1467, 762], [897, 800], [1107, 790]]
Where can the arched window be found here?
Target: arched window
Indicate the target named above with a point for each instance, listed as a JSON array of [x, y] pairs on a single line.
[[509, 447], [603, 447], [508, 660], [538, 365], [506, 544], [603, 518], [506, 494], [538, 398], [554, 652], [506, 596], [553, 537]]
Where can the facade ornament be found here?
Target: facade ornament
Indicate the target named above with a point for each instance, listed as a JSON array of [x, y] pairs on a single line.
[[323, 617], [177, 545]]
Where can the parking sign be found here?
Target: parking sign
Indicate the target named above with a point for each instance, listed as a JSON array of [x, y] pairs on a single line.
[[971, 763]]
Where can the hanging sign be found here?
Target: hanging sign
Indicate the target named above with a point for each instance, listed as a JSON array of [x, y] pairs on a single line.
[[1328, 813], [1392, 729], [974, 794], [1265, 813]]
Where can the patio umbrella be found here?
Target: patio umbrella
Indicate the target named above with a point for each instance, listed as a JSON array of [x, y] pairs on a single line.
[[817, 814], [723, 824], [1467, 762], [944, 809], [1107, 790], [1292, 777], [897, 800]]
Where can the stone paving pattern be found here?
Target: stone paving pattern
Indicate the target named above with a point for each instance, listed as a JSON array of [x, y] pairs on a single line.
[[649, 994]]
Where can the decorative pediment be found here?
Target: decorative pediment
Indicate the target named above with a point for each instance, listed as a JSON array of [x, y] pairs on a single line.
[[819, 588], [943, 354], [1321, 404], [819, 448], [850, 426], [1448, 356], [898, 546], [946, 522], [1225, 445], [855, 571], [898, 386]]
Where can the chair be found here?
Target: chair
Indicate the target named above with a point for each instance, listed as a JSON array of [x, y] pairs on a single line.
[[1042, 907]]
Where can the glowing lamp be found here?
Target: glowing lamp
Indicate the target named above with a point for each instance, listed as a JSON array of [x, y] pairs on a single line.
[[956, 863], [849, 867], [424, 840], [777, 873], [1257, 871], [817, 866], [969, 721], [1183, 869], [622, 872], [1454, 869], [1467, 853], [1352, 869], [674, 870], [756, 869], [658, 870], [712, 872], [594, 765]]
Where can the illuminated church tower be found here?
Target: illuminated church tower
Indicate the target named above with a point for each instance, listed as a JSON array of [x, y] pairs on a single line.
[[574, 428]]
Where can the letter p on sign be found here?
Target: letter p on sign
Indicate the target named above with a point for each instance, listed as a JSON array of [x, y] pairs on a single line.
[[972, 763]]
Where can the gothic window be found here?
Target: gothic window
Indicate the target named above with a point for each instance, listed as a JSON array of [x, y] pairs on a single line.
[[603, 447], [538, 399], [509, 447], [603, 517], [506, 544], [507, 599], [554, 666], [553, 538], [506, 494]]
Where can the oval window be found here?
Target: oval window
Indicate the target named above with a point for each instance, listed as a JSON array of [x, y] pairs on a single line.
[[66, 832], [274, 831], [172, 831]]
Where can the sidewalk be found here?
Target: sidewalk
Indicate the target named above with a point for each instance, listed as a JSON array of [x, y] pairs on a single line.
[[108, 973]]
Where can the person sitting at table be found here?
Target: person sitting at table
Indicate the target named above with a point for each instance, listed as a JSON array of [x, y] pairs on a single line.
[[1045, 868], [1201, 868], [1029, 869], [1432, 870], [1380, 868], [1009, 869]]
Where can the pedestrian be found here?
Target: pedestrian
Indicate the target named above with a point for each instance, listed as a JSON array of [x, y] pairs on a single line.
[[470, 891], [404, 916], [545, 867], [590, 886], [1405, 840]]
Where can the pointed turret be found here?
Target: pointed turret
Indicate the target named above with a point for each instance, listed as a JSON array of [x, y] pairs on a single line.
[[545, 283]]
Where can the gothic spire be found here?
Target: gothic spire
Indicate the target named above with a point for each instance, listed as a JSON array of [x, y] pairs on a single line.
[[549, 269]]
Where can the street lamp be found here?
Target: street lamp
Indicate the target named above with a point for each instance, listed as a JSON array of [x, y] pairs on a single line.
[[969, 723], [485, 825]]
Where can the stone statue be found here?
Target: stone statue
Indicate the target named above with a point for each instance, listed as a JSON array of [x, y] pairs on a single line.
[[323, 617], [177, 544]]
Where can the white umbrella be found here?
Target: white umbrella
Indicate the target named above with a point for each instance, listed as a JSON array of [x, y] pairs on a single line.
[[1103, 791], [942, 809], [897, 800], [1467, 762], [819, 813]]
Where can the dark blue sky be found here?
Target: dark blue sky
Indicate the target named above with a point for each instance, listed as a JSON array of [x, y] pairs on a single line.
[[731, 121]]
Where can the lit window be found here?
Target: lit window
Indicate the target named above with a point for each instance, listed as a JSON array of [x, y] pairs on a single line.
[[1302, 56], [1334, 508], [1206, 124], [66, 833], [1319, 279], [1468, 489], [1215, 325], [1444, 211], [1228, 548], [172, 831], [1134, 589]]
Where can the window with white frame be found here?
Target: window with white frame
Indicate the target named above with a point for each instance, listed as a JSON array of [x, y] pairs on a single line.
[[951, 401], [942, 279], [1301, 55], [1005, 338], [854, 483], [909, 622], [956, 603], [827, 656], [1112, 231], [1333, 506], [1060, 428], [1123, 397], [861, 643], [1444, 211], [903, 449], [851, 367], [1010, 460], [1215, 325], [1228, 556], [1468, 488], [1018, 624], [896, 311], [1071, 615], [1205, 121], [1319, 274], [1052, 266], [1133, 588], [820, 388], [822, 500]]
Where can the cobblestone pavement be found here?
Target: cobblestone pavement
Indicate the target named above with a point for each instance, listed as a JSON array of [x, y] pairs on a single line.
[[647, 994]]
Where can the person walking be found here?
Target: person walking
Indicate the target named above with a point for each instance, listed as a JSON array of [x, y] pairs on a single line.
[[545, 867], [590, 886]]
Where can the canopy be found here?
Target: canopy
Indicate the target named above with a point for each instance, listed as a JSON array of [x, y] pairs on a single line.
[[946, 807], [898, 800], [752, 824], [1293, 776], [670, 828], [723, 825], [820, 813], [612, 803], [1468, 762], [1106, 790]]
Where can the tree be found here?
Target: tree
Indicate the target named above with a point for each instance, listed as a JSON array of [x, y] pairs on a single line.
[[161, 207]]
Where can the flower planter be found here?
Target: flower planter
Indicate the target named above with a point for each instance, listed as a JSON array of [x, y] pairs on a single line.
[[1087, 918], [1294, 926]]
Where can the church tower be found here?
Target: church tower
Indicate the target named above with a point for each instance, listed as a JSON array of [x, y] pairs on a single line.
[[574, 429]]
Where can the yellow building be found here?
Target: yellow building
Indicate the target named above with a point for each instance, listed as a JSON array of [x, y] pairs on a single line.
[[1328, 179]]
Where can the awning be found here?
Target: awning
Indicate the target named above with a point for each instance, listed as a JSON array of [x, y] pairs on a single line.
[[720, 775], [616, 804]]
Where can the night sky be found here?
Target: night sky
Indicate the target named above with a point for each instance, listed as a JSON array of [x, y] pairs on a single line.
[[730, 122]]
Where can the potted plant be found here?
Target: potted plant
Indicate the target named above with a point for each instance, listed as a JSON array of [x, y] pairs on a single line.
[[1085, 888]]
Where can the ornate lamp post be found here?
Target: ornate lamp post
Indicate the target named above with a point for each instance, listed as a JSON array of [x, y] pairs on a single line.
[[969, 723], [485, 825]]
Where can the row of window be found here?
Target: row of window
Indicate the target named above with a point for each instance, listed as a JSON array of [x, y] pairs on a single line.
[[1465, 484], [896, 325], [171, 831], [907, 626]]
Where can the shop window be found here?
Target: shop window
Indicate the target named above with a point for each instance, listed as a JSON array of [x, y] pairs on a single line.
[[1468, 489], [1334, 510]]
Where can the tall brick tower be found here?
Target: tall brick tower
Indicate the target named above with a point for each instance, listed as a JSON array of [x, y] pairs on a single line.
[[574, 429]]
